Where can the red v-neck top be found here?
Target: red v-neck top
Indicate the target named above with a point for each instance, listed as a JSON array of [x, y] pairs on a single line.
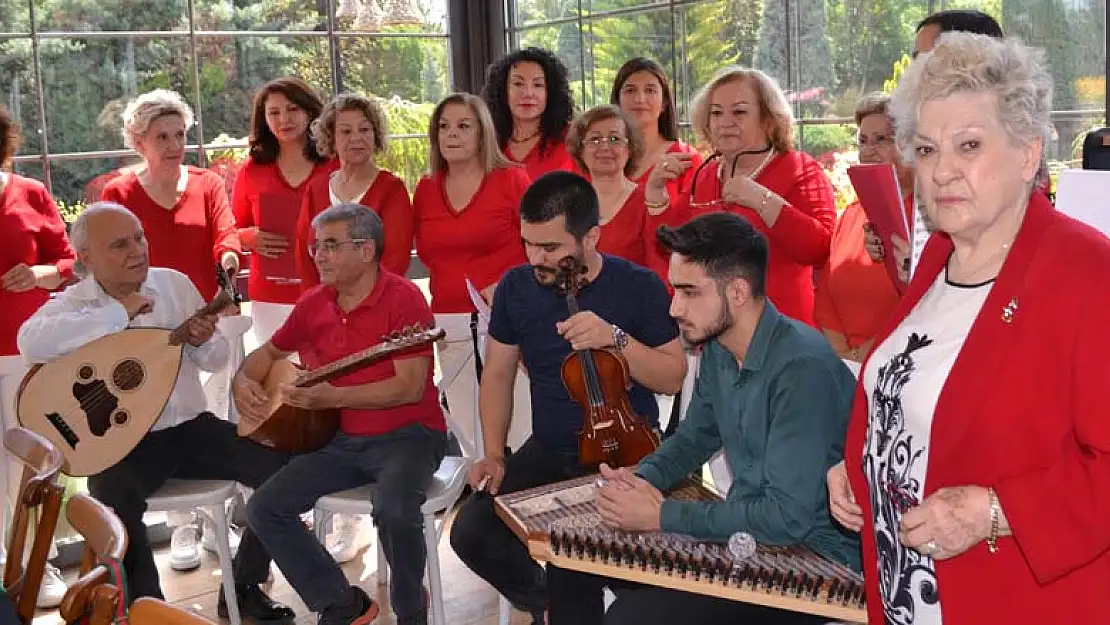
[[479, 242], [387, 196], [32, 233], [555, 157], [254, 183], [624, 234], [680, 185], [192, 235]]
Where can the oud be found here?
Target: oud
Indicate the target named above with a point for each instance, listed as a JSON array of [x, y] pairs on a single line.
[[598, 380], [300, 430], [96, 403]]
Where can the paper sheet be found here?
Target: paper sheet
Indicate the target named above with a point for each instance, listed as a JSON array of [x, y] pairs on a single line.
[[479, 302], [1083, 194], [920, 234]]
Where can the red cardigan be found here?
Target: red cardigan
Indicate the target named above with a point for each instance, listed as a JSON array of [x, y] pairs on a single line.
[[387, 196], [1023, 410], [479, 242], [256, 185], [33, 233], [193, 235], [800, 238]]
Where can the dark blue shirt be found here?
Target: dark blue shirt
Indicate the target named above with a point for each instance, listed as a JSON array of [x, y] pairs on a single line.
[[525, 313]]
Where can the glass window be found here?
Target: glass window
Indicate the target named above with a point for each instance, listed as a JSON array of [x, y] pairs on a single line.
[[392, 16], [111, 15], [267, 15], [610, 41], [17, 86]]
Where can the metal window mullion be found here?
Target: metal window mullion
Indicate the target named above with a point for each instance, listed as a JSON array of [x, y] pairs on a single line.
[[196, 81], [36, 61], [333, 50], [582, 52]]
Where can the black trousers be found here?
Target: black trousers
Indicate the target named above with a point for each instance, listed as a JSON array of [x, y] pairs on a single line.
[[577, 599], [203, 448], [486, 545]]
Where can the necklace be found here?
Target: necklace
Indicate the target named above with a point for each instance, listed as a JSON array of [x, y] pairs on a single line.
[[525, 139], [755, 172]]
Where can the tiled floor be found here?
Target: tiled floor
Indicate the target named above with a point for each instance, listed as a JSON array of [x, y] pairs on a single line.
[[467, 599]]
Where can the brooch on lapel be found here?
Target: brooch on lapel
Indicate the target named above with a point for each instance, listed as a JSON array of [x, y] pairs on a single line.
[[1010, 310]]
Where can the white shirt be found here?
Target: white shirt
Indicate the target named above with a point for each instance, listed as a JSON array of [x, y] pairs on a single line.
[[84, 312], [903, 381]]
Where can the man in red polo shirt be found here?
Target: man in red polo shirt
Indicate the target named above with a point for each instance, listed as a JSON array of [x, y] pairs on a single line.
[[392, 430]]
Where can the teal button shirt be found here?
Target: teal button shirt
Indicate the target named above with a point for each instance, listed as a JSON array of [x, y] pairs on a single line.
[[781, 419]]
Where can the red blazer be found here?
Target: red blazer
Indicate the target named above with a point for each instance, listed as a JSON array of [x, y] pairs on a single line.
[[1024, 411]]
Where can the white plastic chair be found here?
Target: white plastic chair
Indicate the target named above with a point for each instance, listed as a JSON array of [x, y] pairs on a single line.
[[447, 486], [211, 496]]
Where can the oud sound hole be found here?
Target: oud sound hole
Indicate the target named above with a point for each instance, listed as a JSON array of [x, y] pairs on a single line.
[[120, 417], [128, 375], [86, 372]]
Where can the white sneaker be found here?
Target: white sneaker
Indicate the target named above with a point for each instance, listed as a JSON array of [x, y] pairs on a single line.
[[208, 537], [184, 550], [53, 588], [344, 545]]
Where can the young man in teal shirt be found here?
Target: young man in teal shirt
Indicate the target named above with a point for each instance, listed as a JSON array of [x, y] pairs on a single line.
[[771, 392]]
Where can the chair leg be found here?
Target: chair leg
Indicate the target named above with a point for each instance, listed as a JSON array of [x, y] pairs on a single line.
[[505, 610], [320, 525], [223, 546], [383, 565], [435, 583]]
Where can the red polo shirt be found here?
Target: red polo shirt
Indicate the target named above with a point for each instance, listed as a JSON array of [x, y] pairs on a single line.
[[33, 233], [480, 241], [320, 332], [191, 236], [387, 196], [545, 156], [264, 185]]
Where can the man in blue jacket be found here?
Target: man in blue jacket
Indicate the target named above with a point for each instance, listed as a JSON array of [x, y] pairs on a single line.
[[772, 393]]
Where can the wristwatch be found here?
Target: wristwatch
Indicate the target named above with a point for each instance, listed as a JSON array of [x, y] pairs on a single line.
[[620, 338]]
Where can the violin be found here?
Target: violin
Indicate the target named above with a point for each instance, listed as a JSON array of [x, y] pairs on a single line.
[[599, 381]]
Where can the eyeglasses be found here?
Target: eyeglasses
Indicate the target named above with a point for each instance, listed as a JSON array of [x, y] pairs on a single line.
[[611, 141], [694, 183], [331, 247]]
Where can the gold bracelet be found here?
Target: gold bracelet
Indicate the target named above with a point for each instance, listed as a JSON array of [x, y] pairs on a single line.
[[657, 205], [992, 539]]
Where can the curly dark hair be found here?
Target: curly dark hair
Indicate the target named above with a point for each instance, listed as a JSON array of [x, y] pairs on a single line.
[[9, 137], [264, 145], [558, 112]]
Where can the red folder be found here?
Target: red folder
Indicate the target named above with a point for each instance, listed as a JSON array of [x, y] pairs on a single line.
[[881, 197], [278, 215]]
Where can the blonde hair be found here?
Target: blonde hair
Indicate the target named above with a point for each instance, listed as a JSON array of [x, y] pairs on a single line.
[[971, 63], [489, 152], [576, 135], [874, 103], [323, 128], [773, 107], [141, 112]]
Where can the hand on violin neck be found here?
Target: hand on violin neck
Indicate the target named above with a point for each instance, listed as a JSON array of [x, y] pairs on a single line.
[[585, 330]]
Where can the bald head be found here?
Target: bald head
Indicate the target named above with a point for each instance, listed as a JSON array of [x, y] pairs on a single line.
[[110, 244]]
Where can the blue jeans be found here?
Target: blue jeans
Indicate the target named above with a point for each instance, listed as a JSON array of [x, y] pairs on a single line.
[[400, 464]]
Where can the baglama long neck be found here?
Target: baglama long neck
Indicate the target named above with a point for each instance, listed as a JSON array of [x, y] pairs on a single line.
[[589, 367], [339, 367]]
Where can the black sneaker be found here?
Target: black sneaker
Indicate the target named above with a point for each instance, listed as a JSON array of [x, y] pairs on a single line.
[[255, 604], [358, 609]]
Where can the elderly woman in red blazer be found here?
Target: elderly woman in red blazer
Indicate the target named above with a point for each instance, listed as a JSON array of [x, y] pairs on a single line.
[[977, 464], [756, 173]]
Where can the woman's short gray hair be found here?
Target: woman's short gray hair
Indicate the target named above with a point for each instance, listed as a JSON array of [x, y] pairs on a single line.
[[143, 110], [362, 223], [971, 63]]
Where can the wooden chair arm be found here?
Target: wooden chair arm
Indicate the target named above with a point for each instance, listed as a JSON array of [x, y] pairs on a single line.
[[149, 611], [78, 600]]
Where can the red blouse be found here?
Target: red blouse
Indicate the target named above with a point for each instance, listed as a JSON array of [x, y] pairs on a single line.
[[191, 236], [480, 242], [32, 233], [554, 157], [386, 196], [681, 185], [624, 235], [257, 185], [855, 294], [799, 240]]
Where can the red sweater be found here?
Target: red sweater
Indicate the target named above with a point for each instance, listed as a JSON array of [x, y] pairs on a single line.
[[481, 241], [33, 233], [1023, 410], [800, 238], [387, 196], [555, 157], [192, 235], [624, 234], [257, 185]]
